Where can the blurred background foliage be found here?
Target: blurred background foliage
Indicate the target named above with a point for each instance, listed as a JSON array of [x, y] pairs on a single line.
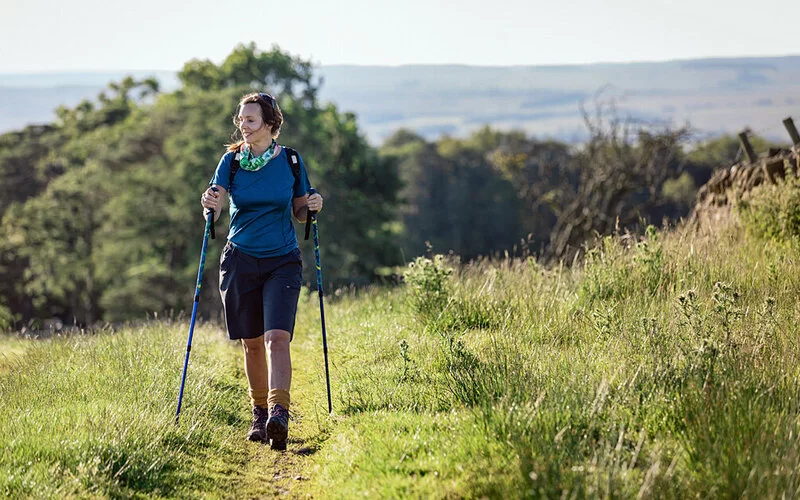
[[100, 217]]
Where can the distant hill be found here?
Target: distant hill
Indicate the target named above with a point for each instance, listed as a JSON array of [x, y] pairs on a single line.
[[33, 98], [714, 95]]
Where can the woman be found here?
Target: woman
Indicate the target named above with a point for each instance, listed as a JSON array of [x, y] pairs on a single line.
[[261, 267]]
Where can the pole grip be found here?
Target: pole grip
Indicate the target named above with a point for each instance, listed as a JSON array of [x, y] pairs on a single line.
[[311, 214], [211, 212]]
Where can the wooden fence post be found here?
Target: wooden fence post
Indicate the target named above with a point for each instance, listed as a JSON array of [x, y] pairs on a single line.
[[789, 124], [748, 148]]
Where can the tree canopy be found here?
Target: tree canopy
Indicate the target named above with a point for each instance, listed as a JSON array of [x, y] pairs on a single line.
[[104, 223]]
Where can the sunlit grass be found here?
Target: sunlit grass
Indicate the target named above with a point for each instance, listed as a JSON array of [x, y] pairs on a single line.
[[94, 414], [665, 366]]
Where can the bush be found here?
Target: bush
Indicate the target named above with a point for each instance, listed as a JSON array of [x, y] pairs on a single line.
[[773, 210], [7, 319], [429, 285], [651, 267]]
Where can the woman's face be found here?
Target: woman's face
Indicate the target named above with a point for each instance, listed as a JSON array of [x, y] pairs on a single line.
[[252, 125]]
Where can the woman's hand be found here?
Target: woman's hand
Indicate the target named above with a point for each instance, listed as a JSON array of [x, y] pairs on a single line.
[[211, 200], [315, 202]]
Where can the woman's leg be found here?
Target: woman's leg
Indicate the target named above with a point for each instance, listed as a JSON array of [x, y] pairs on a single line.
[[280, 293], [280, 380], [280, 366], [255, 367]]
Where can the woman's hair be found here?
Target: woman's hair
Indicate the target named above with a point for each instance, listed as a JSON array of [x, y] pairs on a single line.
[[270, 113]]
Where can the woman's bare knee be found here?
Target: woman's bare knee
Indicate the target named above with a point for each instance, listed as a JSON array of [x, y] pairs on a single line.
[[253, 345], [277, 339]]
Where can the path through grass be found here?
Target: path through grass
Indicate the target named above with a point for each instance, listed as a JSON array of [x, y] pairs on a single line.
[[93, 415]]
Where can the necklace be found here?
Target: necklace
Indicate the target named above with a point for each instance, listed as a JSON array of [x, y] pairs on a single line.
[[247, 162]]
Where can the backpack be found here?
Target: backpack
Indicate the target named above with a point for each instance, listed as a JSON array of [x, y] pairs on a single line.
[[294, 162]]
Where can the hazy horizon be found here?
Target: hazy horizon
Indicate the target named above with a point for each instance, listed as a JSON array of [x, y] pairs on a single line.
[[413, 65], [715, 95]]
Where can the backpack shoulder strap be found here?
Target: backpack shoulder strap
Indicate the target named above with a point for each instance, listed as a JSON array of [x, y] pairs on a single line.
[[234, 169], [294, 162], [291, 154]]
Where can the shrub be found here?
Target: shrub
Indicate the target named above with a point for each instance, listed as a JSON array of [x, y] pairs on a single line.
[[6, 319], [772, 211], [652, 271], [429, 285]]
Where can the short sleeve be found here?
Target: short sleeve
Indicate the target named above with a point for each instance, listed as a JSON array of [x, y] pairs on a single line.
[[302, 187], [222, 175]]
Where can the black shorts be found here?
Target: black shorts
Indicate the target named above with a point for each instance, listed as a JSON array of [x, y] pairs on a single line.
[[259, 295]]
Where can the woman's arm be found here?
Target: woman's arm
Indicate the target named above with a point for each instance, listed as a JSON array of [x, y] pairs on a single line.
[[302, 204], [300, 208]]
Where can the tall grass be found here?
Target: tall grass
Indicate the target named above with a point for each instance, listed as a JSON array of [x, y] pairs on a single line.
[[665, 366]]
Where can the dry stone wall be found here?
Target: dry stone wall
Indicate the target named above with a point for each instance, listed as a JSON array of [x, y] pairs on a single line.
[[735, 182]]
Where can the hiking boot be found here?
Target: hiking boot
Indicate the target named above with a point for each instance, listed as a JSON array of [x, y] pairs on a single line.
[[258, 431], [278, 427]]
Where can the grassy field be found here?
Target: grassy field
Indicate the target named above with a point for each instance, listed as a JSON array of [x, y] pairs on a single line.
[[666, 366]]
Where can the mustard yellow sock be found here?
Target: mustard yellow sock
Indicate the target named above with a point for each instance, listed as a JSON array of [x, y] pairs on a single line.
[[278, 396], [259, 397]]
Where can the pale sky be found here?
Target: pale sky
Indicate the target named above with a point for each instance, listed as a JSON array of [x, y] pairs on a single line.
[[78, 35]]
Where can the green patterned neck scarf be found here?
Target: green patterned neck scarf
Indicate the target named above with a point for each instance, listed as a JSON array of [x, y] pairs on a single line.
[[247, 162]]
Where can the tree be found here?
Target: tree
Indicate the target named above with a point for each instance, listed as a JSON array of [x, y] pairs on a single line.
[[453, 198], [247, 66], [106, 222], [622, 169], [54, 234], [541, 173]]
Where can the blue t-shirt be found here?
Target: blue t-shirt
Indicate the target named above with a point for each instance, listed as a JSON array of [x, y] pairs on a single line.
[[261, 205]]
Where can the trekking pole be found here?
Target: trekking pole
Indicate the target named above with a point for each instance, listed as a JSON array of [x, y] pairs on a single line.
[[312, 220], [209, 231]]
